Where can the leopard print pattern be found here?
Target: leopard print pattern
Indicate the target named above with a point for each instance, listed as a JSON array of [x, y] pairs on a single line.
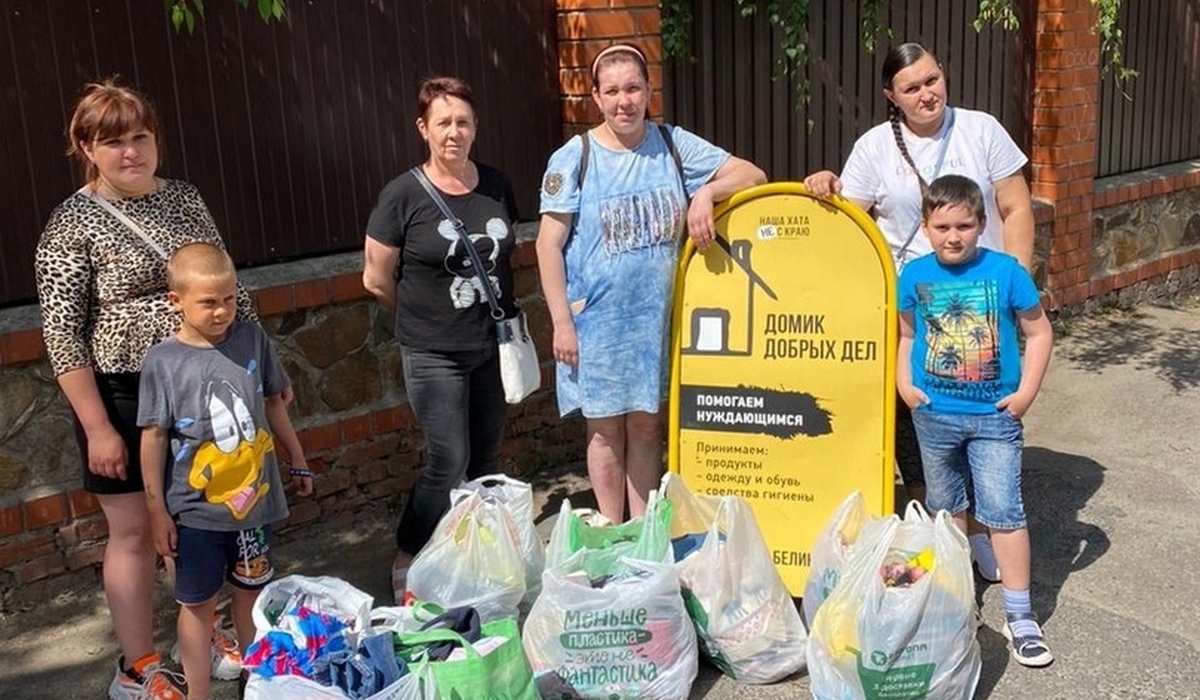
[[103, 290]]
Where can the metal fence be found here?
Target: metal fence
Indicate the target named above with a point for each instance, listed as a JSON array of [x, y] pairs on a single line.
[[1153, 119], [730, 92], [289, 131]]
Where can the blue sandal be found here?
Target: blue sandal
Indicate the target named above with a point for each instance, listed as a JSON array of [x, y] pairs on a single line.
[[1029, 650]]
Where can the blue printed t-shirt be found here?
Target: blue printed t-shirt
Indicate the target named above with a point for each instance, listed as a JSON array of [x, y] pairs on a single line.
[[222, 473], [620, 263], [965, 353]]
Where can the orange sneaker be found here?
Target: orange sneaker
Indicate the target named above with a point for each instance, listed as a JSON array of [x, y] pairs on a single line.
[[226, 654], [147, 679]]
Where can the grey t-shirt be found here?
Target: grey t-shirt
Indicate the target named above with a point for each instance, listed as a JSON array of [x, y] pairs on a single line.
[[222, 473]]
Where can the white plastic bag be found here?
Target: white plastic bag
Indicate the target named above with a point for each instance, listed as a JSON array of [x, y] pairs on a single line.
[[400, 619], [417, 684], [473, 559], [874, 641], [625, 635], [745, 619], [517, 498], [848, 524], [325, 594]]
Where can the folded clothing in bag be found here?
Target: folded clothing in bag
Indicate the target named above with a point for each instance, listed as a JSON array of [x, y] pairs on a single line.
[[277, 652], [363, 673], [464, 621]]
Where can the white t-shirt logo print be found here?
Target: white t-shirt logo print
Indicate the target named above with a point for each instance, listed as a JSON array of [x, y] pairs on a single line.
[[466, 289]]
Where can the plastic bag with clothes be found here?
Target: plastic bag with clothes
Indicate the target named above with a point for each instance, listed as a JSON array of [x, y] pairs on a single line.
[[418, 682], [900, 625], [517, 498], [300, 619], [620, 634], [850, 523], [745, 619], [302, 623], [472, 560]]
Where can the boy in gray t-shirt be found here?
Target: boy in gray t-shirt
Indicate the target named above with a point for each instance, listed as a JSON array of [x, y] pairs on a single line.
[[206, 400]]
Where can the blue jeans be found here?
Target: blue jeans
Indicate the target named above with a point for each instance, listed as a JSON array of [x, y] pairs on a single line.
[[977, 452], [458, 399]]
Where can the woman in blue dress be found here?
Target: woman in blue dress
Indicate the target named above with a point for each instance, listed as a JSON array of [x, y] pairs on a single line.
[[613, 210]]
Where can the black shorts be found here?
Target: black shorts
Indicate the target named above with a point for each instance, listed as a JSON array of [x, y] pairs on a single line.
[[119, 394], [206, 559]]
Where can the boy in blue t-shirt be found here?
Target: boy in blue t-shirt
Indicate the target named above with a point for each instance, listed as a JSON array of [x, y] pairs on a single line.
[[960, 371], [211, 409]]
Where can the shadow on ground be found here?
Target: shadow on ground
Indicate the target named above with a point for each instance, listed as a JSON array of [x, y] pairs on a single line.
[[1129, 338], [1057, 487]]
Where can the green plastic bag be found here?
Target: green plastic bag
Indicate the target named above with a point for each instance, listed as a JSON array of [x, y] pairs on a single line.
[[501, 674], [647, 538]]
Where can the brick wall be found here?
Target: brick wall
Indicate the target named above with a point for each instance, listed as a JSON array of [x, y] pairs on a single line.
[[1066, 83], [358, 432], [586, 27]]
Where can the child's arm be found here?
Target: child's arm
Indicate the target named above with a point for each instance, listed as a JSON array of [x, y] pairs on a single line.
[[911, 395], [284, 434], [154, 466], [1039, 341]]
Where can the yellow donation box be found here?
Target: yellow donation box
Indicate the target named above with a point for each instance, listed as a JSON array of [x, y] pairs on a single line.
[[783, 376]]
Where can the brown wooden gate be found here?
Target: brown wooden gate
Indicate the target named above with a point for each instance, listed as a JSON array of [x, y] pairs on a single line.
[[729, 96], [1153, 119], [289, 131]]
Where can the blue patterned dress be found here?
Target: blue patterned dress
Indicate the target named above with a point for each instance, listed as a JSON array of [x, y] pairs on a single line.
[[620, 263]]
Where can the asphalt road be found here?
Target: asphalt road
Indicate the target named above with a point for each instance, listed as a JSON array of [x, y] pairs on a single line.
[[1112, 491]]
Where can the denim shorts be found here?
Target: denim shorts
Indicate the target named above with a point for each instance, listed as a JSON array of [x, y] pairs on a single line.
[[205, 559], [973, 461]]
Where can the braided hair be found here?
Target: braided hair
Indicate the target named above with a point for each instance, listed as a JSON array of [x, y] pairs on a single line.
[[897, 59]]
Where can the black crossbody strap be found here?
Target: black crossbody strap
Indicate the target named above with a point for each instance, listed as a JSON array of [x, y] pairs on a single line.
[[583, 158], [497, 312], [666, 136]]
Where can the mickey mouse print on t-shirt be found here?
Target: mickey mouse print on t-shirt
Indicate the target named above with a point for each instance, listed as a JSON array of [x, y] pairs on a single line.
[[466, 289]]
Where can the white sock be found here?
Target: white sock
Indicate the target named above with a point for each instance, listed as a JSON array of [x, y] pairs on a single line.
[[984, 556]]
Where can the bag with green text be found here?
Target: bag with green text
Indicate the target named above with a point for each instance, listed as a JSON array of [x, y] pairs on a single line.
[[621, 635], [900, 625]]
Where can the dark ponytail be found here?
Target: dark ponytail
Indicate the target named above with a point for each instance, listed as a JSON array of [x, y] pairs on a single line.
[[894, 116], [896, 60]]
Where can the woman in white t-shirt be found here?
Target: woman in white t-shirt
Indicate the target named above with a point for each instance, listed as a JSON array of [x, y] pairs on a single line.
[[887, 174]]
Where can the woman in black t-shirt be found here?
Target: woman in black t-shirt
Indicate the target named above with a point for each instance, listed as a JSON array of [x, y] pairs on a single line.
[[417, 265]]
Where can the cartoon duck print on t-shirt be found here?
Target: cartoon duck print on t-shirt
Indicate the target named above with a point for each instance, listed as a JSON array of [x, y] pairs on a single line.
[[466, 289], [228, 468]]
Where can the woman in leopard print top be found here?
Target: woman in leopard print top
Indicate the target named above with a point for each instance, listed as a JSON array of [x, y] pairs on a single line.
[[103, 294]]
